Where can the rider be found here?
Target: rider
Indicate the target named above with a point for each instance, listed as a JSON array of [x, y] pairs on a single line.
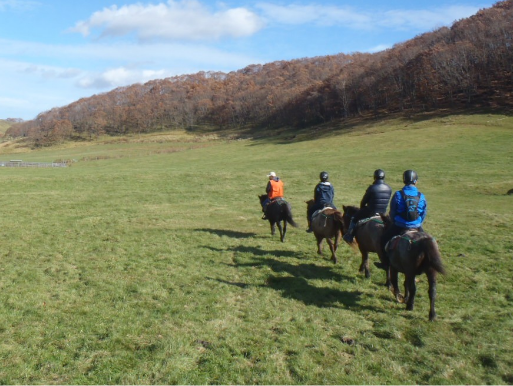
[[274, 190], [374, 201], [324, 194], [408, 209]]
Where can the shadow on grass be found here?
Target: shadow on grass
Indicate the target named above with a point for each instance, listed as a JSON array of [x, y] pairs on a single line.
[[228, 233], [299, 289], [296, 284]]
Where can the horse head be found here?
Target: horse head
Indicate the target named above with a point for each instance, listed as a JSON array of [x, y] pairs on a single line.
[[349, 212]]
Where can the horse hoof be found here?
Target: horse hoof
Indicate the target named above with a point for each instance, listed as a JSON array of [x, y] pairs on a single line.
[[399, 298]]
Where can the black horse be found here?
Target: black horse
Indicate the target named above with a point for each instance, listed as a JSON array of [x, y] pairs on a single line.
[[414, 253], [278, 211], [368, 238]]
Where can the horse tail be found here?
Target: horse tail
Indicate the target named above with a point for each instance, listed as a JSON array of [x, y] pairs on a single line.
[[432, 253], [288, 216]]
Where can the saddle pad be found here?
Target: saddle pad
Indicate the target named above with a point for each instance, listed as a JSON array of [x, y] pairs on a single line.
[[366, 220], [412, 236], [320, 211]]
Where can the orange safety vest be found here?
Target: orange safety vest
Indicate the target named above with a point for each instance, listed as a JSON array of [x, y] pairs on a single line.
[[276, 189]]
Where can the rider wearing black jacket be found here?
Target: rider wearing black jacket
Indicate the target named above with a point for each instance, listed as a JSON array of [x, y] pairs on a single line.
[[374, 201]]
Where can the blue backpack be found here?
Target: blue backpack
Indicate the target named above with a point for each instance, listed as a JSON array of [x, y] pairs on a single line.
[[412, 203]]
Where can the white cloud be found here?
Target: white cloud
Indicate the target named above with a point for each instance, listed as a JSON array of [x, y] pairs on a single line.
[[187, 20], [50, 72], [424, 19], [329, 15], [120, 76], [315, 13], [19, 5], [378, 48]]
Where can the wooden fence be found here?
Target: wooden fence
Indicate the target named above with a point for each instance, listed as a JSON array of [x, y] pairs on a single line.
[[23, 164]]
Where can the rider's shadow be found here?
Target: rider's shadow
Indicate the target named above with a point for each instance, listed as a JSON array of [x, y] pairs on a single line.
[[228, 233], [296, 285], [299, 289]]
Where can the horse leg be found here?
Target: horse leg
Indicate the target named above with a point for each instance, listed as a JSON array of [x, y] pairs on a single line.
[[386, 264], [281, 231], [364, 267], [319, 244], [273, 228], [284, 231], [333, 248], [395, 286], [411, 288], [431, 274]]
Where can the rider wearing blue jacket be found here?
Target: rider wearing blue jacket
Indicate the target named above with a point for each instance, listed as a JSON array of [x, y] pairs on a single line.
[[324, 193], [408, 209]]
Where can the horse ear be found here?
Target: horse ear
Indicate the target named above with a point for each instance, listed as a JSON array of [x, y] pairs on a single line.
[[344, 207]]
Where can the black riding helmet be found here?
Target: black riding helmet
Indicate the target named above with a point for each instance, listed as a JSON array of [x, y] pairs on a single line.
[[324, 176], [410, 177], [379, 174]]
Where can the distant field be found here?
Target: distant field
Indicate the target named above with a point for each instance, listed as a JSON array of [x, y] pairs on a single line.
[[146, 261]]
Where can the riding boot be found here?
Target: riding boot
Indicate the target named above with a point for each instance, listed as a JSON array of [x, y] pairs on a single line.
[[348, 237]]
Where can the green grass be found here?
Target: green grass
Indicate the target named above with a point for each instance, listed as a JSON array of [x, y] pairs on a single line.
[[146, 262]]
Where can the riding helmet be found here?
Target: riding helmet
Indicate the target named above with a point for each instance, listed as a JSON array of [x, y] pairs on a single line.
[[379, 174], [324, 176], [410, 177]]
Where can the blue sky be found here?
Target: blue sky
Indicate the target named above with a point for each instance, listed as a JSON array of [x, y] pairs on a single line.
[[54, 52]]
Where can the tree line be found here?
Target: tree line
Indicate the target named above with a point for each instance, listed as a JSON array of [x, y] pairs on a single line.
[[467, 65]]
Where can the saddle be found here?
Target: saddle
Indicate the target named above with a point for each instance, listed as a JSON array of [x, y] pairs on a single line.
[[411, 236], [375, 218], [321, 211], [278, 200]]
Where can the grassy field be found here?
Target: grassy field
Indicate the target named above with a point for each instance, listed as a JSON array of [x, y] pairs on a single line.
[[146, 261]]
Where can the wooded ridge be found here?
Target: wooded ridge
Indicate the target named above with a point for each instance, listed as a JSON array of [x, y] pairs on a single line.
[[468, 65]]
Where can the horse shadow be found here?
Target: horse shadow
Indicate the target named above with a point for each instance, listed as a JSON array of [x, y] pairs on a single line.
[[227, 233], [296, 285]]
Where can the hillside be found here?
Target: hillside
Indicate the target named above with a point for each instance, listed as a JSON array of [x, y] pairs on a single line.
[[4, 126], [467, 66], [146, 261]]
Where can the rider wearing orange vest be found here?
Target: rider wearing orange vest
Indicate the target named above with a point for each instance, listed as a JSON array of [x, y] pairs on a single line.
[[274, 190]]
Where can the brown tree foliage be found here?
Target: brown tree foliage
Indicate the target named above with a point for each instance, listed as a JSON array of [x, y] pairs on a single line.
[[467, 65]]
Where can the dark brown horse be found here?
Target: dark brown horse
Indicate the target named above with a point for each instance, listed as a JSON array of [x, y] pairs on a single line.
[[414, 253], [368, 238], [278, 212], [327, 224]]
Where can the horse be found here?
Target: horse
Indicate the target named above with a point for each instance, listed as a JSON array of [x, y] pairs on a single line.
[[368, 238], [278, 211], [326, 224], [414, 253]]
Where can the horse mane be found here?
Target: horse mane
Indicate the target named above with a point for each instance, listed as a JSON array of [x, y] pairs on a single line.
[[387, 221], [350, 209]]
